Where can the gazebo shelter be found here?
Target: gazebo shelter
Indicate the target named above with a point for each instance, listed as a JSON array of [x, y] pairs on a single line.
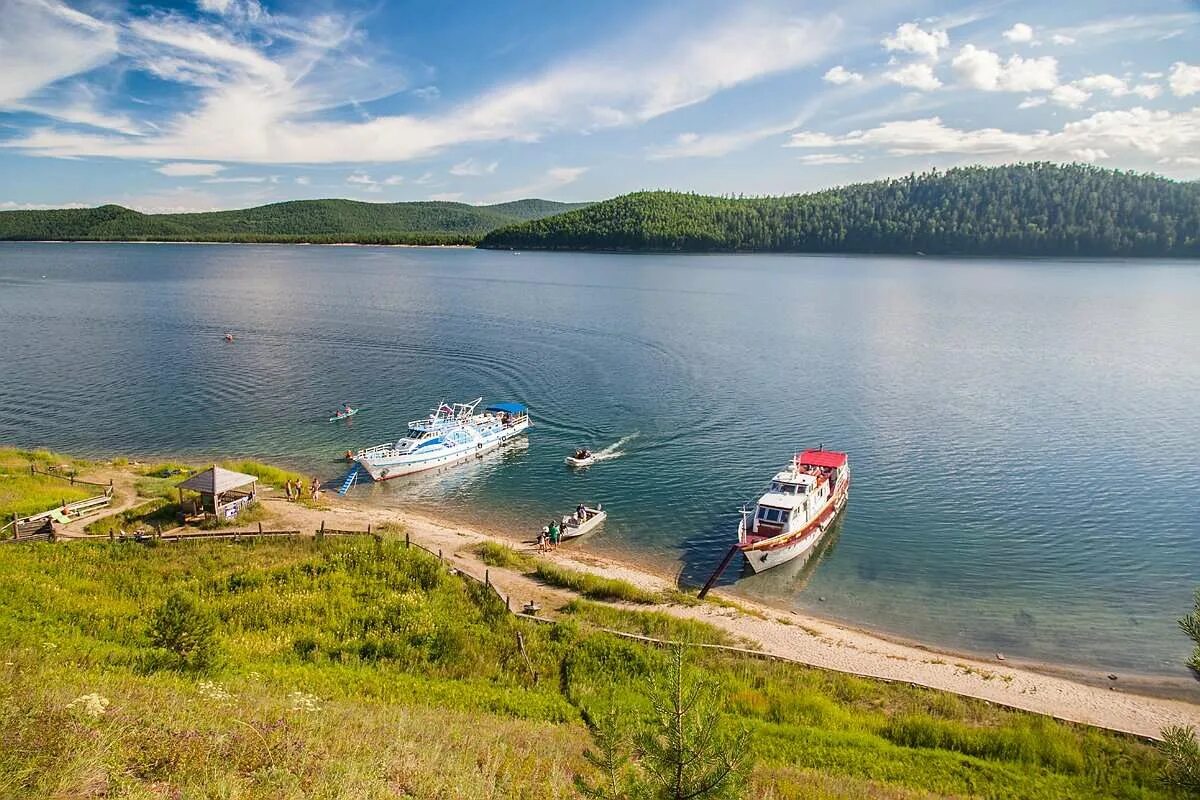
[[223, 492]]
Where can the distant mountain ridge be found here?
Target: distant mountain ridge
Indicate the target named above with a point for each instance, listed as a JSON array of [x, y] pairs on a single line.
[[315, 221], [1037, 209]]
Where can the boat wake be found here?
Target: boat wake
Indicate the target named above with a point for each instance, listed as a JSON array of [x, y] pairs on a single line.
[[614, 450]]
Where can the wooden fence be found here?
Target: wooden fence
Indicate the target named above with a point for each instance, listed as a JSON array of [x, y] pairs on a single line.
[[70, 478]]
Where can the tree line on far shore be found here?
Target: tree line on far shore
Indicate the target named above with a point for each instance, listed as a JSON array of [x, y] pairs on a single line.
[[1037, 209]]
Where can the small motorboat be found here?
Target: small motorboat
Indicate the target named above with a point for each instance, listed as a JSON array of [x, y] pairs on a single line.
[[344, 414], [584, 520], [581, 458], [229, 337]]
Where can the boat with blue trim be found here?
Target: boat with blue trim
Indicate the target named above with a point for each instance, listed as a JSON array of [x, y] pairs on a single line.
[[451, 434], [793, 514]]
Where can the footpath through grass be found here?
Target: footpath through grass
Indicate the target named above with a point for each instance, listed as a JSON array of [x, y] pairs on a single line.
[[350, 668]]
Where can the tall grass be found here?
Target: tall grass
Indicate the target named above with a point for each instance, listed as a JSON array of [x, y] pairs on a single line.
[[495, 554], [266, 474], [592, 586], [358, 668]]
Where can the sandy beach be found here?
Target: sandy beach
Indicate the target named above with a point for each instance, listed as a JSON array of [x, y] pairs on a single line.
[[1045, 689]]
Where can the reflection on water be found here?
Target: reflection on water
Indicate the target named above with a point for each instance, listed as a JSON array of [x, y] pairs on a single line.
[[1023, 433], [792, 577]]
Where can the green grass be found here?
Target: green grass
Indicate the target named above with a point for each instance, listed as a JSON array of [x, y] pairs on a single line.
[[148, 515], [495, 554], [266, 474], [593, 586], [362, 669], [23, 494]]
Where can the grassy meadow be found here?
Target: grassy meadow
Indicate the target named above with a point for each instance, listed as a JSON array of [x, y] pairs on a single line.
[[349, 668], [22, 493]]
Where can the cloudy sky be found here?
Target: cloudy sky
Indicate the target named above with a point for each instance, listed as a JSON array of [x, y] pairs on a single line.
[[229, 103]]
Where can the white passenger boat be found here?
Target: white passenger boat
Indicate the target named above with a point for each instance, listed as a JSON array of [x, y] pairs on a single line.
[[584, 520], [803, 500], [451, 434]]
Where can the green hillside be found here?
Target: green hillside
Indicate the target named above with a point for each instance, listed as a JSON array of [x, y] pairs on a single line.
[[1022, 210], [317, 221]]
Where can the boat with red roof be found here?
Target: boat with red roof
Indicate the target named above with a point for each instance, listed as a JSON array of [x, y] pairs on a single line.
[[793, 514]]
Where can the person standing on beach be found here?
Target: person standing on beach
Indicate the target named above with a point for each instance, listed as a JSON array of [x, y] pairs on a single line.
[[553, 534]]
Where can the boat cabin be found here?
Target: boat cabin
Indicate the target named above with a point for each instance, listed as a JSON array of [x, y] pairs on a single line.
[[798, 492], [509, 413]]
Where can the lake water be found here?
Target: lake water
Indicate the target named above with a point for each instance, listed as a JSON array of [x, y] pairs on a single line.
[[1024, 435]]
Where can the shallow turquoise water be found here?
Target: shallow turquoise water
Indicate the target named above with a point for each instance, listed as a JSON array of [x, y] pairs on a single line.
[[1023, 434]]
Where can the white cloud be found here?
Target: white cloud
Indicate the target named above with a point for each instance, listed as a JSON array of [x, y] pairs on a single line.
[[446, 197], [1103, 83], [822, 159], [12, 205], [712, 145], [912, 38], [303, 180], [1088, 154], [474, 168], [428, 92], [840, 75], [553, 178], [189, 169], [393, 180], [44, 41], [246, 179], [1147, 90], [983, 69], [1184, 79], [263, 103], [1031, 102], [1069, 95], [1019, 33], [914, 76], [365, 182], [1132, 133], [812, 139]]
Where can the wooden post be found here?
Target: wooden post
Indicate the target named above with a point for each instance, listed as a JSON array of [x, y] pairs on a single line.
[[321, 533], [439, 554], [260, 529], [508, 603], [71, 478], [405, 537], [368, 527], [487, 577]]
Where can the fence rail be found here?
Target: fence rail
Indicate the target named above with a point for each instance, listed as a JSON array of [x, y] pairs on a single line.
[[69, 477]]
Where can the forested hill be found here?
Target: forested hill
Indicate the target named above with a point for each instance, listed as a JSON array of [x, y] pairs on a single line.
[[1021, 210], [316, 221]]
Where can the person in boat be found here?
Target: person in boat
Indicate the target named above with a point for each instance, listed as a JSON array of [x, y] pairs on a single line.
[[581, 512], [582, 453], [346, 408]]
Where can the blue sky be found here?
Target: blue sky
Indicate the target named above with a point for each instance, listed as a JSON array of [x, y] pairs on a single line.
[[230, 103]]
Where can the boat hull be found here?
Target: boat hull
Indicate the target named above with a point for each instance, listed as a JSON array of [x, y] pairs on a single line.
[[572, 461], [595, 518], [767, 553], [386, 468]]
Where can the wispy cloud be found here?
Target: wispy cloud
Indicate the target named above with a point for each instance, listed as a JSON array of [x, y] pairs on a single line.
[[189, 169], [44, 41], [264, 107], [472, 167], [1105, 134], [553, 178]]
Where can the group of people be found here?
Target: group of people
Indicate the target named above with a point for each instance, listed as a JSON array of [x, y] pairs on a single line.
[[552, 534], [294, 489]]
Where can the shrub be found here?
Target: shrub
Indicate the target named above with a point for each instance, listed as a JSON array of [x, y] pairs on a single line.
[[1182, 751], [183, 628]]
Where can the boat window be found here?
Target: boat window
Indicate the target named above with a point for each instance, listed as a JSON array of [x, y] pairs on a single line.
[[770, 514]]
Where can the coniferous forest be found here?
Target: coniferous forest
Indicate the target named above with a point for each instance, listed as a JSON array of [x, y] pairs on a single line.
[[1036, 209]]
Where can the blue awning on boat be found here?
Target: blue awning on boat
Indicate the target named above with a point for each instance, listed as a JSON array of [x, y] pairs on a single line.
[[509, 408]]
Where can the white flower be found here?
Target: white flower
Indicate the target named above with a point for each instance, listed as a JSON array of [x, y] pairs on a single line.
[[302, 701], [93, 705], [213, 691]]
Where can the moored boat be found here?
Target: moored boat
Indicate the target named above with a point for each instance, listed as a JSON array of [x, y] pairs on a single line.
[[449, 435], [584, 520], [793, 514]]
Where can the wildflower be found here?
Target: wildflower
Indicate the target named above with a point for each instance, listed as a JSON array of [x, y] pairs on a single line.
[[302, 701], [213, 691], [94, 705], [49, 646]]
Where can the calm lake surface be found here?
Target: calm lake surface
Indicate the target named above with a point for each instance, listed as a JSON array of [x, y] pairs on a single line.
[[1024, 435]]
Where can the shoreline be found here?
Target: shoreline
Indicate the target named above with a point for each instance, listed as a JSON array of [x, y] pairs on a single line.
[[809, 640], [201, 241], [1136, 705]]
